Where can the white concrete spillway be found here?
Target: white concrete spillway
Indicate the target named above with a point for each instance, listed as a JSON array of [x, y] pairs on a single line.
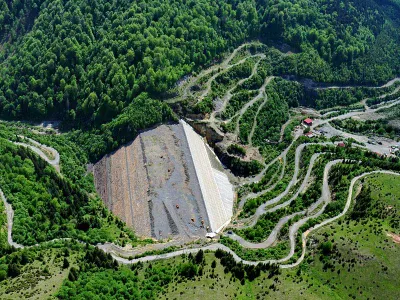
[[215, 187]]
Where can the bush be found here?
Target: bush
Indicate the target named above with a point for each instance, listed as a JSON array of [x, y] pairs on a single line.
[[13, 270], [188, 270], [65, 263], [236, 150], [3, 275], [326, 248]]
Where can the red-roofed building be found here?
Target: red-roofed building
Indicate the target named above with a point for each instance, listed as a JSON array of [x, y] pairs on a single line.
[[341, 144], [309, 134], [308, 122]]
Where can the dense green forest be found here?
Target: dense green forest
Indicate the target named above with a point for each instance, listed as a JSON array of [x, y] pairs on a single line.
[[85, 61], [46, 205], [106, 68]]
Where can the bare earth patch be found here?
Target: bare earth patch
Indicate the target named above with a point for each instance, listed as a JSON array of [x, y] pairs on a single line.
[[395, 237], [151, 184]]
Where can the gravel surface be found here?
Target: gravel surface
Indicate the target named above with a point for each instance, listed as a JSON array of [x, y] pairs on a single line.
[[143, 182], [152, 185]]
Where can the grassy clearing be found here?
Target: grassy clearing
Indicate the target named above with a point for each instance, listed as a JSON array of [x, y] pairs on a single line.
[[364, 263], [41, 278], [219, 285], [215, 284], [385, 187], [352, 258]]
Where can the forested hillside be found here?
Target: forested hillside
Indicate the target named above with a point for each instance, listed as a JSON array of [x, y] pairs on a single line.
[[85, 61], [49, 205], [89, 59], [245, 74]]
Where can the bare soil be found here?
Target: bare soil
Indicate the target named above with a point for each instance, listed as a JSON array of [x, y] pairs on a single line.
[[395, 237], [151, 184]]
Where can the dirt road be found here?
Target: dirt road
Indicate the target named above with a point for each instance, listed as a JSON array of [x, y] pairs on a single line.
[[39, 149]]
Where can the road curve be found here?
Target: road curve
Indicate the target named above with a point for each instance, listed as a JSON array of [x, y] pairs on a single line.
[[325, 197], [228, 96], [293, 229], [36, 147], [215, 246], [348, 115], [261, 209], [224, 69], [261, 92], [325, 222], [223, 64]]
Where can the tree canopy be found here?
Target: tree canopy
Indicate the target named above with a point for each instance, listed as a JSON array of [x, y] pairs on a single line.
[[85, 61]]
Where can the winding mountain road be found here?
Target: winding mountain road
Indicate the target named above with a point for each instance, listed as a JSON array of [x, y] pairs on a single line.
[[313, 211], [272, 238], [325, 222], [261, 209], [117, 251], [224, 69], [223, 65], [348, 115], [228, 96]]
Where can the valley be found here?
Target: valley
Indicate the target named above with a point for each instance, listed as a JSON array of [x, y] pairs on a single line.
[[203, 149], [304, 164]]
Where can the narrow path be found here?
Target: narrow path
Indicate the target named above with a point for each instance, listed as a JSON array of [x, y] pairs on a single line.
[[325, 198], [261, 209], [363, 102], [325, 192], [272, 238], [283, 130], [314, 211], [348, 115], [229, 95], [303, 186], [293, 229], [222, 65], [213, 247], [325, 222], [260, 175], [55, 162], [332, 87], [270, 188]]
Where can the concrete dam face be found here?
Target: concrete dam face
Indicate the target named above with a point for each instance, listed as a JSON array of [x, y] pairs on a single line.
[[167, 183]]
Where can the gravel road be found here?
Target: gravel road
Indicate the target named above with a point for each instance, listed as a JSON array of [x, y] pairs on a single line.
[[36, 147], [315, 210]]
